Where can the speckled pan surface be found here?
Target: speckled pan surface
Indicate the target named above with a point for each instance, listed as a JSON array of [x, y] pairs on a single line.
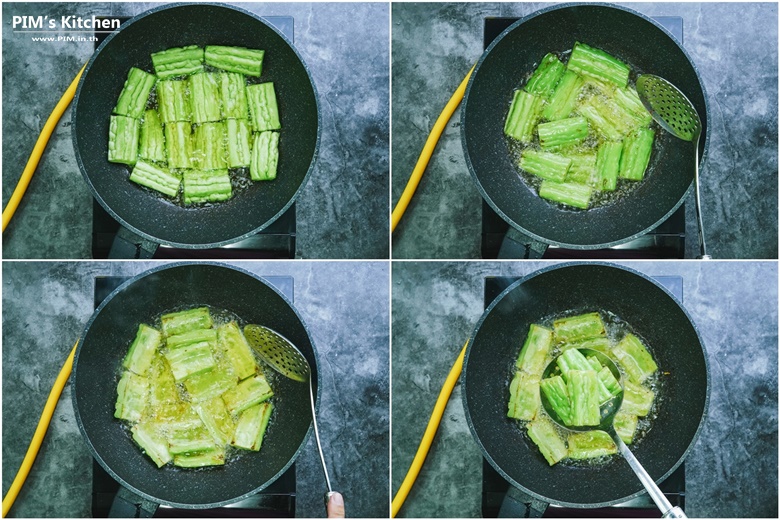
[[104, 344], [652, 312], [177, 25], [632, 37]]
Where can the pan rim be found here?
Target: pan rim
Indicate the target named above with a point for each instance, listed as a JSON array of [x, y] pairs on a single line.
[[182, 245], [107, 468], [472, 428], [489, 200]]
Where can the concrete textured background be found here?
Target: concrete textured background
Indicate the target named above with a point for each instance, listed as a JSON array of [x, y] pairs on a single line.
[[345, 305], [434, 45], [730, 472], [342, 210]]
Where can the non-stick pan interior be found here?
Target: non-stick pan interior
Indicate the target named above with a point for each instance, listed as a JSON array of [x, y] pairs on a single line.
[[155, 217], [507, 65], [97, 369], [652, 312]]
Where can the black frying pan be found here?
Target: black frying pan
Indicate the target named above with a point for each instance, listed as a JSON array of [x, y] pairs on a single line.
[[104, 344], [652, 312], [152, 217], [506, 65]]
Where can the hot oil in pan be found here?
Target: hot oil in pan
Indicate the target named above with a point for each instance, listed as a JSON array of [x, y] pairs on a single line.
[[218, 317], [616, 329], [598, 199], [239, 177]]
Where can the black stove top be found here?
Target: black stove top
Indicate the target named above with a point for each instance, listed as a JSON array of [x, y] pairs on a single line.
[[275, 241], [665, 241], [275, 501], [494, 487]]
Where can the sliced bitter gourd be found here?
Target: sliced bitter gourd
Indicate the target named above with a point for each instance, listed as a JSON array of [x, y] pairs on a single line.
[[206, 186], [139, 357], [132, 397], [235, 59], [249, 392], [238, 143], [155, 178], [235, 348], [135, 94], [184, 321], [152, 144], [251, 426], [178, 61], [263, 109], [123, 137], [204, 96], [232, 91], [265, 156]]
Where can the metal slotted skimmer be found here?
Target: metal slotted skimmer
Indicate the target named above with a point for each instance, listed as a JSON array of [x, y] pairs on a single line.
[[676, 114], [281, 355]]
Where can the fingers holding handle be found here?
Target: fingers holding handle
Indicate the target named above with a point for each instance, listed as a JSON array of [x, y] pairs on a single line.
[[334, 503]]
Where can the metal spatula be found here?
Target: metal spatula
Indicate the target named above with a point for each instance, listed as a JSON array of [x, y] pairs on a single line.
[[676, 114], [281, 355]]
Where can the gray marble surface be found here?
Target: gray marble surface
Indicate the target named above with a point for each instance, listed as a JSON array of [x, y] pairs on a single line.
[[47, 304], [434, 45], [731, 471], [342, 210]]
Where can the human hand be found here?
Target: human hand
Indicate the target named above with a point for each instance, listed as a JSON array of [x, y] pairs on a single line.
[[335, 505]]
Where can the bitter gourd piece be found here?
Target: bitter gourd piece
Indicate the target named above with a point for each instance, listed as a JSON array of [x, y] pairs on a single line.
[[543, 434], [637, 148], [556, 392], [524, 396], [162, 386], [572, 359], [580, 327], [178, 144], [251, 426], [132, 397], [637, 400], [563, 101], [595, 63], [546, 165], [180, 322], [524, 114], [608, 164], [265, 156], [546, 76], [625, 426], [235, 59], [155, 178], [206, 186], [123, 137], [599, 344], [190, 440], [152, 443], [628, 101], [178, 61], [173, 101], [236, 350], [192, 336], [141, 354], [187, 361], [635, 359], [204, 97], [590, 444], [569, 193], [249, 392], [597, 115], [232, 92], [533, 356], [212, 457], [217, 419], [238, 143], [211, 383], [562, 133], [132, 100], [582, 169], [208, 147], [263, 109], [152, 140], [612, 385], [583, 388]]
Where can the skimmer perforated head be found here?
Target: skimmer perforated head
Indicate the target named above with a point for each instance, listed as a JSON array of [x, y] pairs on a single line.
[[669, 107], [278, 352]]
